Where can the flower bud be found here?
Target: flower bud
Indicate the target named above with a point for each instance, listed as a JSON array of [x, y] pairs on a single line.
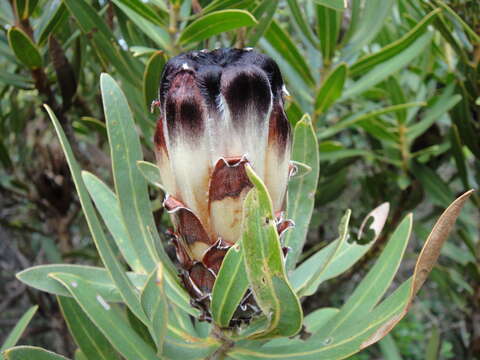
[[220, 110]]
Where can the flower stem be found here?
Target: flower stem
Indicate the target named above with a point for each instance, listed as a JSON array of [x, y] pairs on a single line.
[[226, 345]]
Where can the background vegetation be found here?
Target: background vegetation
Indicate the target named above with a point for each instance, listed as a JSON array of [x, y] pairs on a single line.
[[393, 88]]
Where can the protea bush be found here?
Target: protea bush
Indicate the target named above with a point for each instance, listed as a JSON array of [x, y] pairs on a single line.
[[239, 188]]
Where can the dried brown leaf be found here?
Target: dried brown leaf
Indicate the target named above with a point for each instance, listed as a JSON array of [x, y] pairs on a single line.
[[425, 263], [379, 215]]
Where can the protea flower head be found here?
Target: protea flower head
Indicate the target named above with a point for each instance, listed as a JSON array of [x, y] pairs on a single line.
[[220, 110]]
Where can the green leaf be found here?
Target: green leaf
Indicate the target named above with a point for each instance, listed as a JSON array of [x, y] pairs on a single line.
[[456, 18], [313, 322], [457, 150], [375, 283], [302, 22], [338, 5], [107, 205], [368, 24], [24, 48], [31, 352], [151, 76], [145, 11], [155, 305], [19, 81], [284, 45], [103, 244], [264, 263], [329, 22], [139, 51], [367, 62], [439, 192], [322, 262], [5, 159], [25, 8], [388, 67], [326, 347], [79, 355], [86, 335], [316, 319], [19, 328], [263, 12], [380, 129], [301, 190], [52, 18], [230, 286], [157, 33], [464, 119], [227, 4], [151, 173], [397, 96], [389, 349], [99, 278], [438, 107], [130, 186], [331, 89], [216, 23], [102, 40], [363, 116], [140, 328], [433, 347], [106, 318]]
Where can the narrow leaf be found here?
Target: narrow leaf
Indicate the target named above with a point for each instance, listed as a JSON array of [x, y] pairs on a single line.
[[331, 89], [363, 116], [388, 67], [329, 22], [19, 328], [101, 38], [286, 47], [367, 62], [321, 263], [37, 277], [31, 352], [301, 20], [100, 280], [230, 286], [368, 23], [102, 243], [301, 190], [107, 318], [53, 17], [107, 205], [155, 305], [130, 186], [216, 23], [264, 264], [151, 173], [338, 5], [376, 282], [86, 335], [151, 77], [157, 33]]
